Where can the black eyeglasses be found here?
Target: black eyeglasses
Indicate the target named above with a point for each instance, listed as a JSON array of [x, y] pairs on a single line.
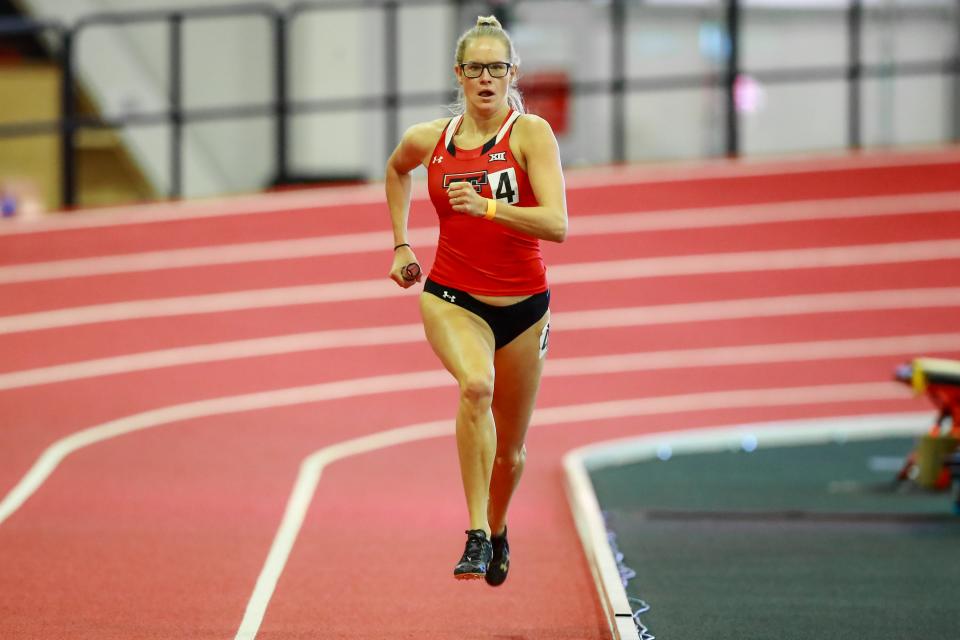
[[475, 69]]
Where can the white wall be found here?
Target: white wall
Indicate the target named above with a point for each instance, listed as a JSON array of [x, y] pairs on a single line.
[[339, 55], [676, 123], [812, 116], [910, 110]]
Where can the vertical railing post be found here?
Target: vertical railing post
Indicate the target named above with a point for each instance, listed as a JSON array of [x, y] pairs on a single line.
[[854, 73], [391, 69], [281, 98], [68, 122], [955, 66], [618, 80], [176, 105], [456, 27], [733, 71]]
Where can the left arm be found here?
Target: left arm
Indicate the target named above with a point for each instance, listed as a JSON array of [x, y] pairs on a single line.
[[535, 144]]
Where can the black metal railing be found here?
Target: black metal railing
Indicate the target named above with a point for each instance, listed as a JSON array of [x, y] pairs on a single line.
[[176, 116], [281, 108]]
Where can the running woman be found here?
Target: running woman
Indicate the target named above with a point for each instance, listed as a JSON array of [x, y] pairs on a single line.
[[495, 179]]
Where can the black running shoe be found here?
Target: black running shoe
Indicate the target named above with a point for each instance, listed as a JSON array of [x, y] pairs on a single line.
[[476, 556], [500, 562]]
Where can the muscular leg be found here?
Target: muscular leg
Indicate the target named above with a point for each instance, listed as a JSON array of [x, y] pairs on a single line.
[[518, 367], [465, 346]]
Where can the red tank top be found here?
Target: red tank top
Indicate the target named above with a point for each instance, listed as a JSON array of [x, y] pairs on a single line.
[[473, 254]]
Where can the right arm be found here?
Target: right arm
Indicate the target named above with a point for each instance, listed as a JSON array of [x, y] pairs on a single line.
[[417, 143]]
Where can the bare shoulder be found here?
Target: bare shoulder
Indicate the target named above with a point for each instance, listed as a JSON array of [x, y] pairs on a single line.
[[532, 128], [532, 137], [416, 145], [423, 136]]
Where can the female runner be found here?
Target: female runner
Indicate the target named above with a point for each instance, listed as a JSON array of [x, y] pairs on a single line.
[[495, 179]]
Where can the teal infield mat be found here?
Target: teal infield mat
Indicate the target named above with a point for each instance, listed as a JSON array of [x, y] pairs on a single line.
[[801, 541]]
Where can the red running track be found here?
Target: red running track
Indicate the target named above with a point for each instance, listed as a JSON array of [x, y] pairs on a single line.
[[159, 523]]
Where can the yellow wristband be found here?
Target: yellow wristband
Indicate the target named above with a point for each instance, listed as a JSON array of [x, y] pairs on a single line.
[[491, 209]]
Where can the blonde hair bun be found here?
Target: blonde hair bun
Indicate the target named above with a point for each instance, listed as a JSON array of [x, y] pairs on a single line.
[[489, 21]]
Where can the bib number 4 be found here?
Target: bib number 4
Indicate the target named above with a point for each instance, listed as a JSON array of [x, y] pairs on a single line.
[[504, 186]]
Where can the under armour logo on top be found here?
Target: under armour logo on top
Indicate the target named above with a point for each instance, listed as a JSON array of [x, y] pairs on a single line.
[[500, 155], [437, 159], [447, 296]]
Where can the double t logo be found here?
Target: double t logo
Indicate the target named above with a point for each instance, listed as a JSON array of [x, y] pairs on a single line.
[[476, 178]]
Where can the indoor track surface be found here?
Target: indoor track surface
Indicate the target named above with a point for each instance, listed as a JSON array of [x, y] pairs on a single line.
[[221, 419]]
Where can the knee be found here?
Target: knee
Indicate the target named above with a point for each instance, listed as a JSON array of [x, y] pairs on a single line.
[[477, 390], [512, 459]]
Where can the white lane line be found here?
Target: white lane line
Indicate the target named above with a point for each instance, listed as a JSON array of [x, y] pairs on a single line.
[[848, 301], [201, 304], [239, 253], [304, 488], [373, 193], [587, 225], [765, 213], [215, 352], [697, 170], [813, 258], [54, 454], [357, 387], [313, 466], [586, 507], [800, 304], [185, 210], [755, 354]]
